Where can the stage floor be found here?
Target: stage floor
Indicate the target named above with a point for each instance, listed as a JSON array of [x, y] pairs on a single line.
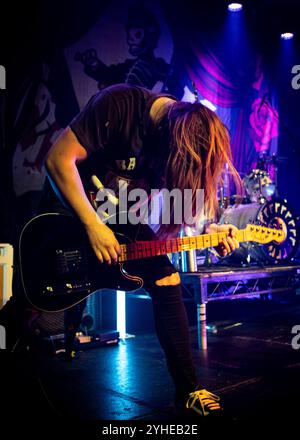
[[252, 366]]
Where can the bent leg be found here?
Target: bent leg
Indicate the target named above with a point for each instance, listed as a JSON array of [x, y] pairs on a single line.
[[163, 284], [173, 333]]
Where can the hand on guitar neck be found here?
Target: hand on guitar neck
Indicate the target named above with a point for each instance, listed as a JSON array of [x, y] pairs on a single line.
[[228, 244]]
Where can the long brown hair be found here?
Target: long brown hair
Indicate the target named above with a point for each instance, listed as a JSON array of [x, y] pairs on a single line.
[[199, 148]]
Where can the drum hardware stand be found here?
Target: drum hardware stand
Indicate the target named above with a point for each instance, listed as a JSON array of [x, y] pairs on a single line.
[[261, 199], [195, 91], [222, 202], [208, 260], [191, 265]]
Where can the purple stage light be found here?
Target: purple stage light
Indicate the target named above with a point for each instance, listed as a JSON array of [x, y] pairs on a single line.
[[235, 7], [287, 36]]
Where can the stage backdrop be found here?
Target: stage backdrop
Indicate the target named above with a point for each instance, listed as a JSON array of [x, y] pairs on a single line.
[[148, 44]]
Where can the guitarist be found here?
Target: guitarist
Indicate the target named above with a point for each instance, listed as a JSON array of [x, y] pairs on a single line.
[[151, 141]]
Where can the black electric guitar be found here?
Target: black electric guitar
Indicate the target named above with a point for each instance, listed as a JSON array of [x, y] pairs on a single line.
[[59, 268]]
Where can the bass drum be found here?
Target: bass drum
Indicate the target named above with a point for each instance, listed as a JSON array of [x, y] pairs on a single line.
[[275, 213]]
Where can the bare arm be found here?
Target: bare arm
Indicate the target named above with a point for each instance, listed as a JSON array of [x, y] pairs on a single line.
[[61, 165]]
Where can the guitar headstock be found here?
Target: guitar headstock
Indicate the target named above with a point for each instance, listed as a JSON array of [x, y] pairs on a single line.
[[263, 235]]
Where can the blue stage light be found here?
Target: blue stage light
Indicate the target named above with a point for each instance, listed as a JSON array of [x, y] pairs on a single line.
[[235, 7], [121, 314], [287, 36]]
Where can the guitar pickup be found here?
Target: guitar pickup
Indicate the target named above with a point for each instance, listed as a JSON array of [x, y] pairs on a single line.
[[71, 261]]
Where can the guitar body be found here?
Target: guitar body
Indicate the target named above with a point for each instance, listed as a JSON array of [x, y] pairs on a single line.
[[59, 268]]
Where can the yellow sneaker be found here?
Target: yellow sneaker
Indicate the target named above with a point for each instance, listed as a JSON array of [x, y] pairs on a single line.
[[204, 403]]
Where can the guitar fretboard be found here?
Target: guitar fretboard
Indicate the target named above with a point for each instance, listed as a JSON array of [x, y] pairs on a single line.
[[146, 249]]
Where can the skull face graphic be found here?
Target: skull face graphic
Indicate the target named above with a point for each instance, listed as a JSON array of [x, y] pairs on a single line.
[[142, 30], [141, 40], [136, 41]]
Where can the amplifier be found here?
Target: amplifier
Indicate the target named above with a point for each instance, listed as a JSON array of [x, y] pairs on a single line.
[[6, 272], [52, 323]]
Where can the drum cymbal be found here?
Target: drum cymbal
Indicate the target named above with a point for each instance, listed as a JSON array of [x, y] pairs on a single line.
[[241, 173], [274, 158]]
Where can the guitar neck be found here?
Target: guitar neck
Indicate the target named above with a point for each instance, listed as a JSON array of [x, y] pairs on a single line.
[[144, 249]]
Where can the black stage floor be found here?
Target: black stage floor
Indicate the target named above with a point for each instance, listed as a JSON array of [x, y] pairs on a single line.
[[252, 366]]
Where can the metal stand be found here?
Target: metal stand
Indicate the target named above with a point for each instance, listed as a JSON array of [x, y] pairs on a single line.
[[214, 285], [202, 333]]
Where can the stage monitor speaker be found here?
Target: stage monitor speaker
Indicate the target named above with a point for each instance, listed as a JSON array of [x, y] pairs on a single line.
[[49, 324]]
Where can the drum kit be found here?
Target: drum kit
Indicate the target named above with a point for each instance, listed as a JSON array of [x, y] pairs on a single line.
[[259, 205]]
